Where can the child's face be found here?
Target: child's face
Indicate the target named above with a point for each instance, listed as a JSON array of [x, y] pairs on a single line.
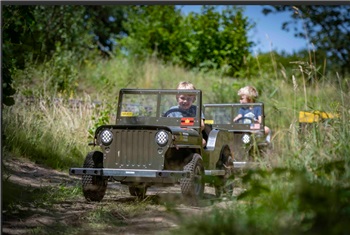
[[244, 99], [185, 101]]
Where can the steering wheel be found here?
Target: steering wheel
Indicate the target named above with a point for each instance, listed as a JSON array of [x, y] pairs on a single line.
[[242, 120], [183, 112]]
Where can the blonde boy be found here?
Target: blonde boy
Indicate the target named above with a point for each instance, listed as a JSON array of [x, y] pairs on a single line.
[[185, 103], [249, 94]]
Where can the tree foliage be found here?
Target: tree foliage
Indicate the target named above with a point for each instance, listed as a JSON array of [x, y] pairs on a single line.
[[34, 31], [106, 24], [326, 26], [16, 23], [222, 39], [152, 29], [40, 32], [209, 39]]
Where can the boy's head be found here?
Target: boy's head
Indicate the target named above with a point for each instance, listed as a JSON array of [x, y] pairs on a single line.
[[185, 101], [248, 94]]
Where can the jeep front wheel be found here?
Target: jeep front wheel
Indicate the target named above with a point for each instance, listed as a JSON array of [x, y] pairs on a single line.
[[94, 187]]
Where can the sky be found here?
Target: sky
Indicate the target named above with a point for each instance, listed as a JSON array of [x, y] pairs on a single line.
[[268, 33]]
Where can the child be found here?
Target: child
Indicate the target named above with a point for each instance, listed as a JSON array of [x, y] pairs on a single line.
[[248, 94], [185, 104]]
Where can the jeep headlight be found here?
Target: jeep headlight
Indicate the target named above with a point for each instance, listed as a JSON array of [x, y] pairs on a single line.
[[162, 138], [246, 138], [106, 137]]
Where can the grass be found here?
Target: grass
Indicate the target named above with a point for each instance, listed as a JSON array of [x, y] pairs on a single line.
[[307, 190], [53, 134]]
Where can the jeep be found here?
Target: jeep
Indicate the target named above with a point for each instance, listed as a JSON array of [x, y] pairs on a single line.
[[247, 137], [145, 148]]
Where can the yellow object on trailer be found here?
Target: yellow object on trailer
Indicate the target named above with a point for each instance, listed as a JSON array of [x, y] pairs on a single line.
[[315, 116]]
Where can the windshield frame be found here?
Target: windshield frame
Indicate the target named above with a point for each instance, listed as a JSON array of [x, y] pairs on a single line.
[[156, 119]]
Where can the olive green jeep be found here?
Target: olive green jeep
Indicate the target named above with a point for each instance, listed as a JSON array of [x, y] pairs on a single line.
[[144, 148], [247, 137]]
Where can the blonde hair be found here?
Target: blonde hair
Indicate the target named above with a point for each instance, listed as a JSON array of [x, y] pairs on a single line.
[[249, 91], [186, 85]]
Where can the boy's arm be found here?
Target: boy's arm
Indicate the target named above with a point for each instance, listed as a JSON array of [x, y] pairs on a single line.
[[202, 124], [237, 117], [259, 114]]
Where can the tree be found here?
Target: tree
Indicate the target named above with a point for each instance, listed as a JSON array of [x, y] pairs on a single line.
[[107, 25], [16, 23], [326, 26], [219, 40], [39, 32], [34, 31], [206, 40], [152, 30]]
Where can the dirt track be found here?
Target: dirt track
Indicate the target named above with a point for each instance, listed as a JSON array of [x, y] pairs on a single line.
[[65, 216]]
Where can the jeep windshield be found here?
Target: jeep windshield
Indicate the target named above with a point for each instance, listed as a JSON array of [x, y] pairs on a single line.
[[158, 108], [221, 116]]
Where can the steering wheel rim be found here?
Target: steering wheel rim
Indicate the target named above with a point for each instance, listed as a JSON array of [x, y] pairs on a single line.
[[183, 112], [240, 120]]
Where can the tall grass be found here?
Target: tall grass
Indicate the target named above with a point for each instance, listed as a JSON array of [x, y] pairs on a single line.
[[48, 131]]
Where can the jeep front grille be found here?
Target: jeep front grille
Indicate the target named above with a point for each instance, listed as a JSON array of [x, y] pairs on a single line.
[[136, 149]]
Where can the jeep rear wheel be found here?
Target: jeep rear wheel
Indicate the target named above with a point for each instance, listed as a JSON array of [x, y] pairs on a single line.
[[194, 186], [138, 191], [222, 185], [94, 187]]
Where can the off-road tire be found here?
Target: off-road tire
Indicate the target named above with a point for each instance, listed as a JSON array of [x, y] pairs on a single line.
[[193, 187], [222, 184], [94, 187]]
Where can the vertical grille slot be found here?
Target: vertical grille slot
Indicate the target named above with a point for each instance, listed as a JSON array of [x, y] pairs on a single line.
[[137, 150]]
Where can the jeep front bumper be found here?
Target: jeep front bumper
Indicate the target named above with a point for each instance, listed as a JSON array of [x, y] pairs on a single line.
[[129, 173]]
